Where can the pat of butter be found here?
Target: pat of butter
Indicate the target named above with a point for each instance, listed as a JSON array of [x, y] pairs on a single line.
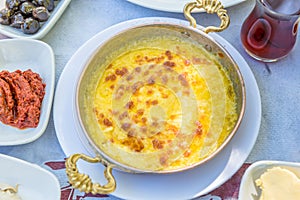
[[279, 184], [8, 192]]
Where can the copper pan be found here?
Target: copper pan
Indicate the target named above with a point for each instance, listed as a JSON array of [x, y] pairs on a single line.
[[109, 48]]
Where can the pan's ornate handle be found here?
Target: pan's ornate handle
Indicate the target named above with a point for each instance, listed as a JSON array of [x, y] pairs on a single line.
[[83, 182], [210, 6]]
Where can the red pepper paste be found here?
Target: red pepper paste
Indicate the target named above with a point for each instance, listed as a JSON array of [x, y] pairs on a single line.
[[21, 96]]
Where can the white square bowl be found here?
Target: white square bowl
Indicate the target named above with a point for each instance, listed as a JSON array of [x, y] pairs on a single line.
[[34, 182], [248, 189], [38, 56], [45, 27]]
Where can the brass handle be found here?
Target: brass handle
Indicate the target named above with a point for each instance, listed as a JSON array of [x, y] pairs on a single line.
[[83, 182], [210, 6]]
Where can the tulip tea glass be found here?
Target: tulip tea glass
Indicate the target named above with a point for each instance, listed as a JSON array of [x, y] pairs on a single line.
[[269, 33]]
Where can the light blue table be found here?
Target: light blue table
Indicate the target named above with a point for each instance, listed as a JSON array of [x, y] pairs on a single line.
[[279, 82]]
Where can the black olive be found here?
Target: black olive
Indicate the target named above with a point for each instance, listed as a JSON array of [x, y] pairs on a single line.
[[48, 4], [5, 15], [30, 26], [12, 4], [26, 14], [26, 8], [41, 13], [17, 20]]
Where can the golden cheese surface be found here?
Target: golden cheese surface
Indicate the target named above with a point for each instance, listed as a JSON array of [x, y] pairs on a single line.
[[163, 108]]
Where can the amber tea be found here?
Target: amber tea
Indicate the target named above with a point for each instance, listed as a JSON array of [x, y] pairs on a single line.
[[269, 32]]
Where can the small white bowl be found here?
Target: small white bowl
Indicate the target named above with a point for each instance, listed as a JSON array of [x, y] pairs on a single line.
[[38, 56], [248, 189], [34, 182], [45, 27]]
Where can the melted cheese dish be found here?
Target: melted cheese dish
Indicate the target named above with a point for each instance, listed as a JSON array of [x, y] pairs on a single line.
[[161, 108]]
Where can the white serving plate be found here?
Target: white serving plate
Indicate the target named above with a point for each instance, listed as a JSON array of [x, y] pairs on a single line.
[[184, 185], [39, 57], [176, 5], [34, 182], [248, 189], [45, 28]]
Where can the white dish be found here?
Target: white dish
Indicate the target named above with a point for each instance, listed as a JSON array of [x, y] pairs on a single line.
[[188, 184], [175, 5], [34, 182], [45, 27], [38, 56], [248, 189]]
